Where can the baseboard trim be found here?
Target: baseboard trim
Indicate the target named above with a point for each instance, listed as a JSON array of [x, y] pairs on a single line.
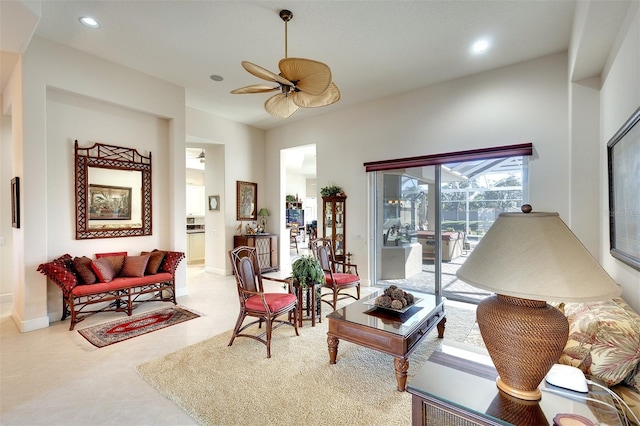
[[30, 325]]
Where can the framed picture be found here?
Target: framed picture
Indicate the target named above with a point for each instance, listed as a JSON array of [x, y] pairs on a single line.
[[247, 200], [15, 202], [109, 202], [623, 152], [214, 202]]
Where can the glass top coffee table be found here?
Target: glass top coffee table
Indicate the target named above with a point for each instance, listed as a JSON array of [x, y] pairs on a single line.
[[394, 333]]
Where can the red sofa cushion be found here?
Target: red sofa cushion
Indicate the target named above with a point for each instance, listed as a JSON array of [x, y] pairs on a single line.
[[340, 278], [120, 283], [275, 301]]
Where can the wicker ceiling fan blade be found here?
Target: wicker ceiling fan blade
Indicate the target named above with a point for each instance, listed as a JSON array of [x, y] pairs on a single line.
[[310, 76], [280, 106], [305, 100], [255, 88], [264, 74]]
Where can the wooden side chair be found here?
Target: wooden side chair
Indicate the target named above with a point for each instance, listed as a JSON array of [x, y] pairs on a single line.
[[338, 282], [254, 302], [294, 231]]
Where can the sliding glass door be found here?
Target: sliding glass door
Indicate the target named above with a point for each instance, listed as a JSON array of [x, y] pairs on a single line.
[[427, 219]]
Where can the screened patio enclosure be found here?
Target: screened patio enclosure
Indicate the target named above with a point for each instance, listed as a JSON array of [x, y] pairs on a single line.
[[456, 202]]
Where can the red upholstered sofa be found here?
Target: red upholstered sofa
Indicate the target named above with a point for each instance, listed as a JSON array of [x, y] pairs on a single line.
[[112, 281]]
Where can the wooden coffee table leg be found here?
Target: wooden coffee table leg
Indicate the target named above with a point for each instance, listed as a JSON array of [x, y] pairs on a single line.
[[441, 326], [401, 365], [332, 342]]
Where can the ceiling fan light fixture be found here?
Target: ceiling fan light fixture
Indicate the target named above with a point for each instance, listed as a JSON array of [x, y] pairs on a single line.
[[303, 83]]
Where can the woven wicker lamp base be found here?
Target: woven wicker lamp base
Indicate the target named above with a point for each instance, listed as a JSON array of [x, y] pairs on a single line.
[[524, 339]]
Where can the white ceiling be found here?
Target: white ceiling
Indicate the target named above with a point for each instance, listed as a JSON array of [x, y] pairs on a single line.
[[374, 48]]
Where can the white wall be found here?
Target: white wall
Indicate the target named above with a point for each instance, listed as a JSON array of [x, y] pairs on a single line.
[[527, 102], [297, 184], [6, 230], [620, 96], [56, 96], [238, 156]]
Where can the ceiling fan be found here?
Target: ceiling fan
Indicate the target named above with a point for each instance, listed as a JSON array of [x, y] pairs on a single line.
[[302, 83], [191, 155]]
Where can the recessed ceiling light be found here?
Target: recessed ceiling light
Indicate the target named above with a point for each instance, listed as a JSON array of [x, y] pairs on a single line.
[[89, 22], [215, 77], [480, 46]]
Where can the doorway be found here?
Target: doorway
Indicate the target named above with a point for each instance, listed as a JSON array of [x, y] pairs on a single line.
[[300, 200]]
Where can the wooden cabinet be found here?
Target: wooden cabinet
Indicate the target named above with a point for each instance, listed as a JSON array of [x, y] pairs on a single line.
[[266, 248], [195, 247], [195, 200], [334, 216]]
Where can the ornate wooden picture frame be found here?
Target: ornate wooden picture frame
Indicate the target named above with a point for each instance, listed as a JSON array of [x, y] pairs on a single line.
[[117, 160], [246, 201], [623, 152]]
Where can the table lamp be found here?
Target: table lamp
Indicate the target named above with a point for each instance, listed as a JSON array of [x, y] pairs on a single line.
[[526, 259], [263, 213]]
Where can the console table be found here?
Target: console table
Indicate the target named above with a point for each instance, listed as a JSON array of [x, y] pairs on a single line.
[[456, 386], [266, 248]]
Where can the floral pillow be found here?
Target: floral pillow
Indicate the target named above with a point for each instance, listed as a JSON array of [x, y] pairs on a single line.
[[604, 339]]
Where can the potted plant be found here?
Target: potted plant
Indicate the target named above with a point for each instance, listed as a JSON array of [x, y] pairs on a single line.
[[306, 271], [331, 190]]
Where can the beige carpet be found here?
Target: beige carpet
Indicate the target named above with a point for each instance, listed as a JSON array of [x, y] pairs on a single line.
[[238, 385]]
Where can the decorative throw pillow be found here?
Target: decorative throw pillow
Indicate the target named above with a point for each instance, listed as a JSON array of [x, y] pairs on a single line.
[[116, 259], [134, 266], [60, 271], [103, 269], [171, 260], [604, 339], [155, 260], [82, 266]]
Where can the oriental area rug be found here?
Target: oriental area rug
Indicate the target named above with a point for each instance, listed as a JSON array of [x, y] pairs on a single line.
[[102, 335], [238, 385]]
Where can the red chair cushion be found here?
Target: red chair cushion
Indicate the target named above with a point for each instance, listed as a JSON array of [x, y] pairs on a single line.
[[340, 278], [275, 301]]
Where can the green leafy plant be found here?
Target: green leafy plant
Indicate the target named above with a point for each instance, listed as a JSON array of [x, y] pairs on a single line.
[[290, 198], [331, 190], [306, 270]]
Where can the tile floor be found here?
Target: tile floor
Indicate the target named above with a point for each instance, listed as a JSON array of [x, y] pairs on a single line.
[[47, 378]]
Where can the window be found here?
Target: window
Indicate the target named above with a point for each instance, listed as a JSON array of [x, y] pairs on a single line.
[[430, 214]]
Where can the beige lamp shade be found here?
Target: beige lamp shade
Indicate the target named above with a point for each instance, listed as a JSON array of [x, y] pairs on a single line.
[[536, 256]]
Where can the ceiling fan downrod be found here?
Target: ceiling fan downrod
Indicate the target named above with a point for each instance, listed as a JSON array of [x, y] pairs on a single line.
[[286, 16]]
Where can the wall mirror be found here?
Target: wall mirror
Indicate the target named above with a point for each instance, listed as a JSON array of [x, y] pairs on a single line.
[[113, 192]]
